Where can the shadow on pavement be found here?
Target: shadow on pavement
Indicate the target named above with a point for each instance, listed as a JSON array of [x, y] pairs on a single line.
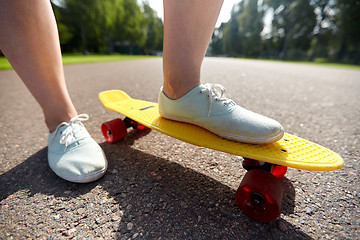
[[35, 176], [161, 198]]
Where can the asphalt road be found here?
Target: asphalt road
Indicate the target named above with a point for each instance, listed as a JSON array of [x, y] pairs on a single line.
[[160, 188]]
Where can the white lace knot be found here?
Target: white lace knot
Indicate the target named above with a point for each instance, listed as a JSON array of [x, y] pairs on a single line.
[[67, 136], [216, 92]]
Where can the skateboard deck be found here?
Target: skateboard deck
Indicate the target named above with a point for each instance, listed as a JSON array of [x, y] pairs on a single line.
[[290, 151]]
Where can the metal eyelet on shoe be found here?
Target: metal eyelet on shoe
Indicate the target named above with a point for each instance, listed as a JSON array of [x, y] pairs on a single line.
[[200, 92], [225, 104], [216, 99]]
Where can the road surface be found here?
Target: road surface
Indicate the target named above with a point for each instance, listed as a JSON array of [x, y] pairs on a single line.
[[160, 188]]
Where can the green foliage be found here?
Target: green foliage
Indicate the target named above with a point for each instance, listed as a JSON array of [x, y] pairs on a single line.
[[300, 30], [155, 29], [241, 35], [107, 26], [232, 44], [64, 32], [348, 30], [251, 25]]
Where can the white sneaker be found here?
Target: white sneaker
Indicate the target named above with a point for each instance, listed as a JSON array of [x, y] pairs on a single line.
[[73, 154], [206, 106]]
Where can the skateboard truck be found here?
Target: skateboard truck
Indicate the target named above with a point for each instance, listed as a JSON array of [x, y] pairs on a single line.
[[277, 170], [135, 125]]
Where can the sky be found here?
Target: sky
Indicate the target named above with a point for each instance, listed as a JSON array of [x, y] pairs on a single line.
[[224, 16]]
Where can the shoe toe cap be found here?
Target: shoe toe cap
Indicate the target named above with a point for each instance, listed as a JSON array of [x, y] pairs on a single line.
[[246, 126], [81, 164], [261, 128]]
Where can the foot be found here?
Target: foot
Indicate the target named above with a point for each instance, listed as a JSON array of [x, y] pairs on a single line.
[[73, 154], [206, 106]]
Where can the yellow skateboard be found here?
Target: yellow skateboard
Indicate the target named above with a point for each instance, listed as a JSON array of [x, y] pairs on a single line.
[[260, 193]]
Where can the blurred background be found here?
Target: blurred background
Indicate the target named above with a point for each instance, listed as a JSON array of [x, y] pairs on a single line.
[[306, 30]]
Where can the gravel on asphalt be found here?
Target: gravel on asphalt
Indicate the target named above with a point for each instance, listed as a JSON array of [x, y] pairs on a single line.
[[157, 187]]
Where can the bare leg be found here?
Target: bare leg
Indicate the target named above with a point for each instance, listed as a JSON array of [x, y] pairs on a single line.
[[187, 31], [29, 39]]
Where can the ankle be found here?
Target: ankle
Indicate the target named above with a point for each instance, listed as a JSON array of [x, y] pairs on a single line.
[[176, 90], [179, 79], [53, 120]]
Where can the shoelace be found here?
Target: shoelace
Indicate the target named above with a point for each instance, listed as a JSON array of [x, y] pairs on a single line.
[[67, 136], [212, 90]]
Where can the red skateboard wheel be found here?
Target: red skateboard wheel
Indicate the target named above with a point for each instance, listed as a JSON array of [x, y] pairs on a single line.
[[259, 195], [114, 130]]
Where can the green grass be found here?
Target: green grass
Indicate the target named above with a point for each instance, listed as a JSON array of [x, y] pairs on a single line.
[[328, 64], [78, 58], [321, 62], [4, 64]]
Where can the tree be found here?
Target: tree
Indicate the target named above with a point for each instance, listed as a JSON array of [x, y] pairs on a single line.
[[292, 26], [155, 29], [348, 31], [131, 31], [65, 34], [300, 29], [323, 31], [232, 44], [107, 25], [241, 35], [250, 22], [216, 44], [74, 14]]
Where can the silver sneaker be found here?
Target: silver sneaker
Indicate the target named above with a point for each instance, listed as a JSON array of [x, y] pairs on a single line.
[[207, 107], [73, 154]]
